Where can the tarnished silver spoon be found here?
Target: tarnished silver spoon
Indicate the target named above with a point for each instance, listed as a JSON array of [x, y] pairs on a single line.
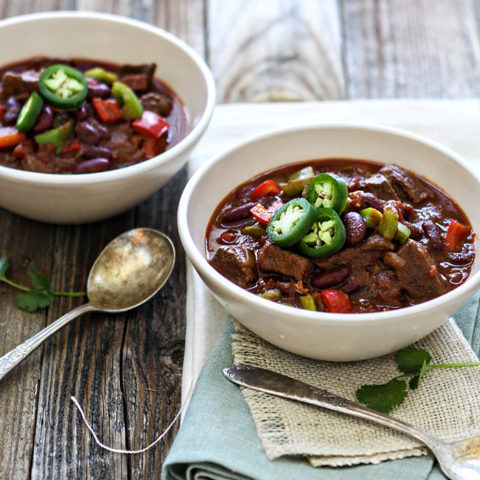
[[128, 272], [459, 460]]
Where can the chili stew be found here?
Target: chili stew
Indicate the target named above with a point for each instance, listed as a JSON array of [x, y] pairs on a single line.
[[65, 115], [341, 236]]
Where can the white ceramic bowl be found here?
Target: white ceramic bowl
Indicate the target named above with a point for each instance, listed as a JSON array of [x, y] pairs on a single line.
[[84, 198], [327, 336]]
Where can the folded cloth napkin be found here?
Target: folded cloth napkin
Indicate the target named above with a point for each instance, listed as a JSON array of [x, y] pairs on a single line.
[[218, 438]]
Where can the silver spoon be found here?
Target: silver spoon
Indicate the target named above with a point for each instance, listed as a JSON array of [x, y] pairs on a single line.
[[458, 460], [128, 272]]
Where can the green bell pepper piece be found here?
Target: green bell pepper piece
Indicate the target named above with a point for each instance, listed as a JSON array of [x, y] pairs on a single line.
[[389, 223], [402, 234], [126, 98], [274, 295], [101, 75], [29, 113], [256, 230], [307, 302], [297, 181], [372, 216], [56, 136]]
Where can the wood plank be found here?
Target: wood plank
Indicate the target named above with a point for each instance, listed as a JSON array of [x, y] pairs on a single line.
[[425, 48], [275, 50], [19, 390], [81, 360], [152, 355]]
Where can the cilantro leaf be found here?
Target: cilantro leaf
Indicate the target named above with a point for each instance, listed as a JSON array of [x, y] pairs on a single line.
[[4, 264], [39, 281], [33, 300], [412, 361], [383, 398], [413, 382]]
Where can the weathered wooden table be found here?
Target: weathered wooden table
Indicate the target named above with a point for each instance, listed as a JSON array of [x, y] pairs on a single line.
[[126, 369]]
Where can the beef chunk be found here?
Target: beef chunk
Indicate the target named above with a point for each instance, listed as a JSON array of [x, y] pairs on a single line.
[[14, 83], [376, 242], [272, 258], [138, 83], [379, 186], [156, 102], [406, 185], [388, 289], [236, 263], [368, 252], [364, 261], [138, 77], [419, 277]]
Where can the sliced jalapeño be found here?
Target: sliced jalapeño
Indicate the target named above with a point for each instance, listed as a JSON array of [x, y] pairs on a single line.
[[326, 235], [63, 86], [328, 190], [291, 222]]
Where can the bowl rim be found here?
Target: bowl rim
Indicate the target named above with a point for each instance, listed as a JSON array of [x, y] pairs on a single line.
[[200, 263], [49, 179]]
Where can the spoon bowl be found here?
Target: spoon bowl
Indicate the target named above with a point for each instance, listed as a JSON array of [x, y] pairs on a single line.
[[129, 271]]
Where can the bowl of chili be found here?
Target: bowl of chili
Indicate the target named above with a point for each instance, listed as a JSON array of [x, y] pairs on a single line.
[[281, 241], [95, 115]]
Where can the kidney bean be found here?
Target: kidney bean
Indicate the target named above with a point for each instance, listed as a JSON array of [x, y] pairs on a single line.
[[432, 232], [98, 90], [372, 201], [92, 166], [238, 213], [87, 133], [12, 109], [101, 129], [44, 120], [355, 228], [330, 277], [416, 230], [81, 113], [93, 151]]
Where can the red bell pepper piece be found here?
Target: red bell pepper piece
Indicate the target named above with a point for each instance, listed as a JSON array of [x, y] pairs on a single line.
[[108, 110], [456, 233], [2, 111], [150, 147], [10, 136], [261, 214], [336, 301], [150, 124], [71, 146], [268, 187]]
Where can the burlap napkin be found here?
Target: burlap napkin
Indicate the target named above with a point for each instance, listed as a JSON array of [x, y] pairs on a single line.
[[446, 404]]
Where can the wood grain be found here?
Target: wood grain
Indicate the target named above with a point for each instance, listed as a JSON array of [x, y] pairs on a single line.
[[125, 370], [275, 50], [412, 48]]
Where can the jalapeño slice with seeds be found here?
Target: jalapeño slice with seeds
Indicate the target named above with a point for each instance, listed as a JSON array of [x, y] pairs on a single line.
[[63, 86], [291, 222], [328, 190], [326, 236]]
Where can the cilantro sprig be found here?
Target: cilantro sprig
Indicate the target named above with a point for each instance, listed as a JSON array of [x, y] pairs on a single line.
[[39, 295], [414, 363]]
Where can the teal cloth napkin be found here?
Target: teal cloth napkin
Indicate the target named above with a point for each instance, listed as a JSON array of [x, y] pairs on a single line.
[[218, 441]]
